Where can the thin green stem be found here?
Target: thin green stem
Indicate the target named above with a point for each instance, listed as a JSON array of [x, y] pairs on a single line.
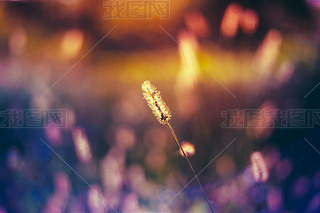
[[184, 154]]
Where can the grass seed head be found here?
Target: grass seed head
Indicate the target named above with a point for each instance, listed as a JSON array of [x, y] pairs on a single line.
[[155, 102]]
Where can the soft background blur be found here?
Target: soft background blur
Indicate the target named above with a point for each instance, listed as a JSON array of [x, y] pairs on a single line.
[[266, 53]]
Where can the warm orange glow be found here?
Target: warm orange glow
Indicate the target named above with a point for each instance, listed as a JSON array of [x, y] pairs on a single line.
[[231, 19], [17, 41], [197, 24], [259, 168], [71, 43], [188, 148], [81, 144], [249, 21]]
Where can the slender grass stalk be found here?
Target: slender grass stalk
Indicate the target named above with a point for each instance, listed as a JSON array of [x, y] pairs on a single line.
[[266, 194], [163, 115], [190, 165]]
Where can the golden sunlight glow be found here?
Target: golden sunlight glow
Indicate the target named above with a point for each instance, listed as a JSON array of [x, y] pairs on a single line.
[[71, 43], [268, 52], [188, 148]]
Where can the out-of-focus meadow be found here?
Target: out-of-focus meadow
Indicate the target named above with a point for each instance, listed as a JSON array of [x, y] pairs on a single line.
[[113, 155]]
